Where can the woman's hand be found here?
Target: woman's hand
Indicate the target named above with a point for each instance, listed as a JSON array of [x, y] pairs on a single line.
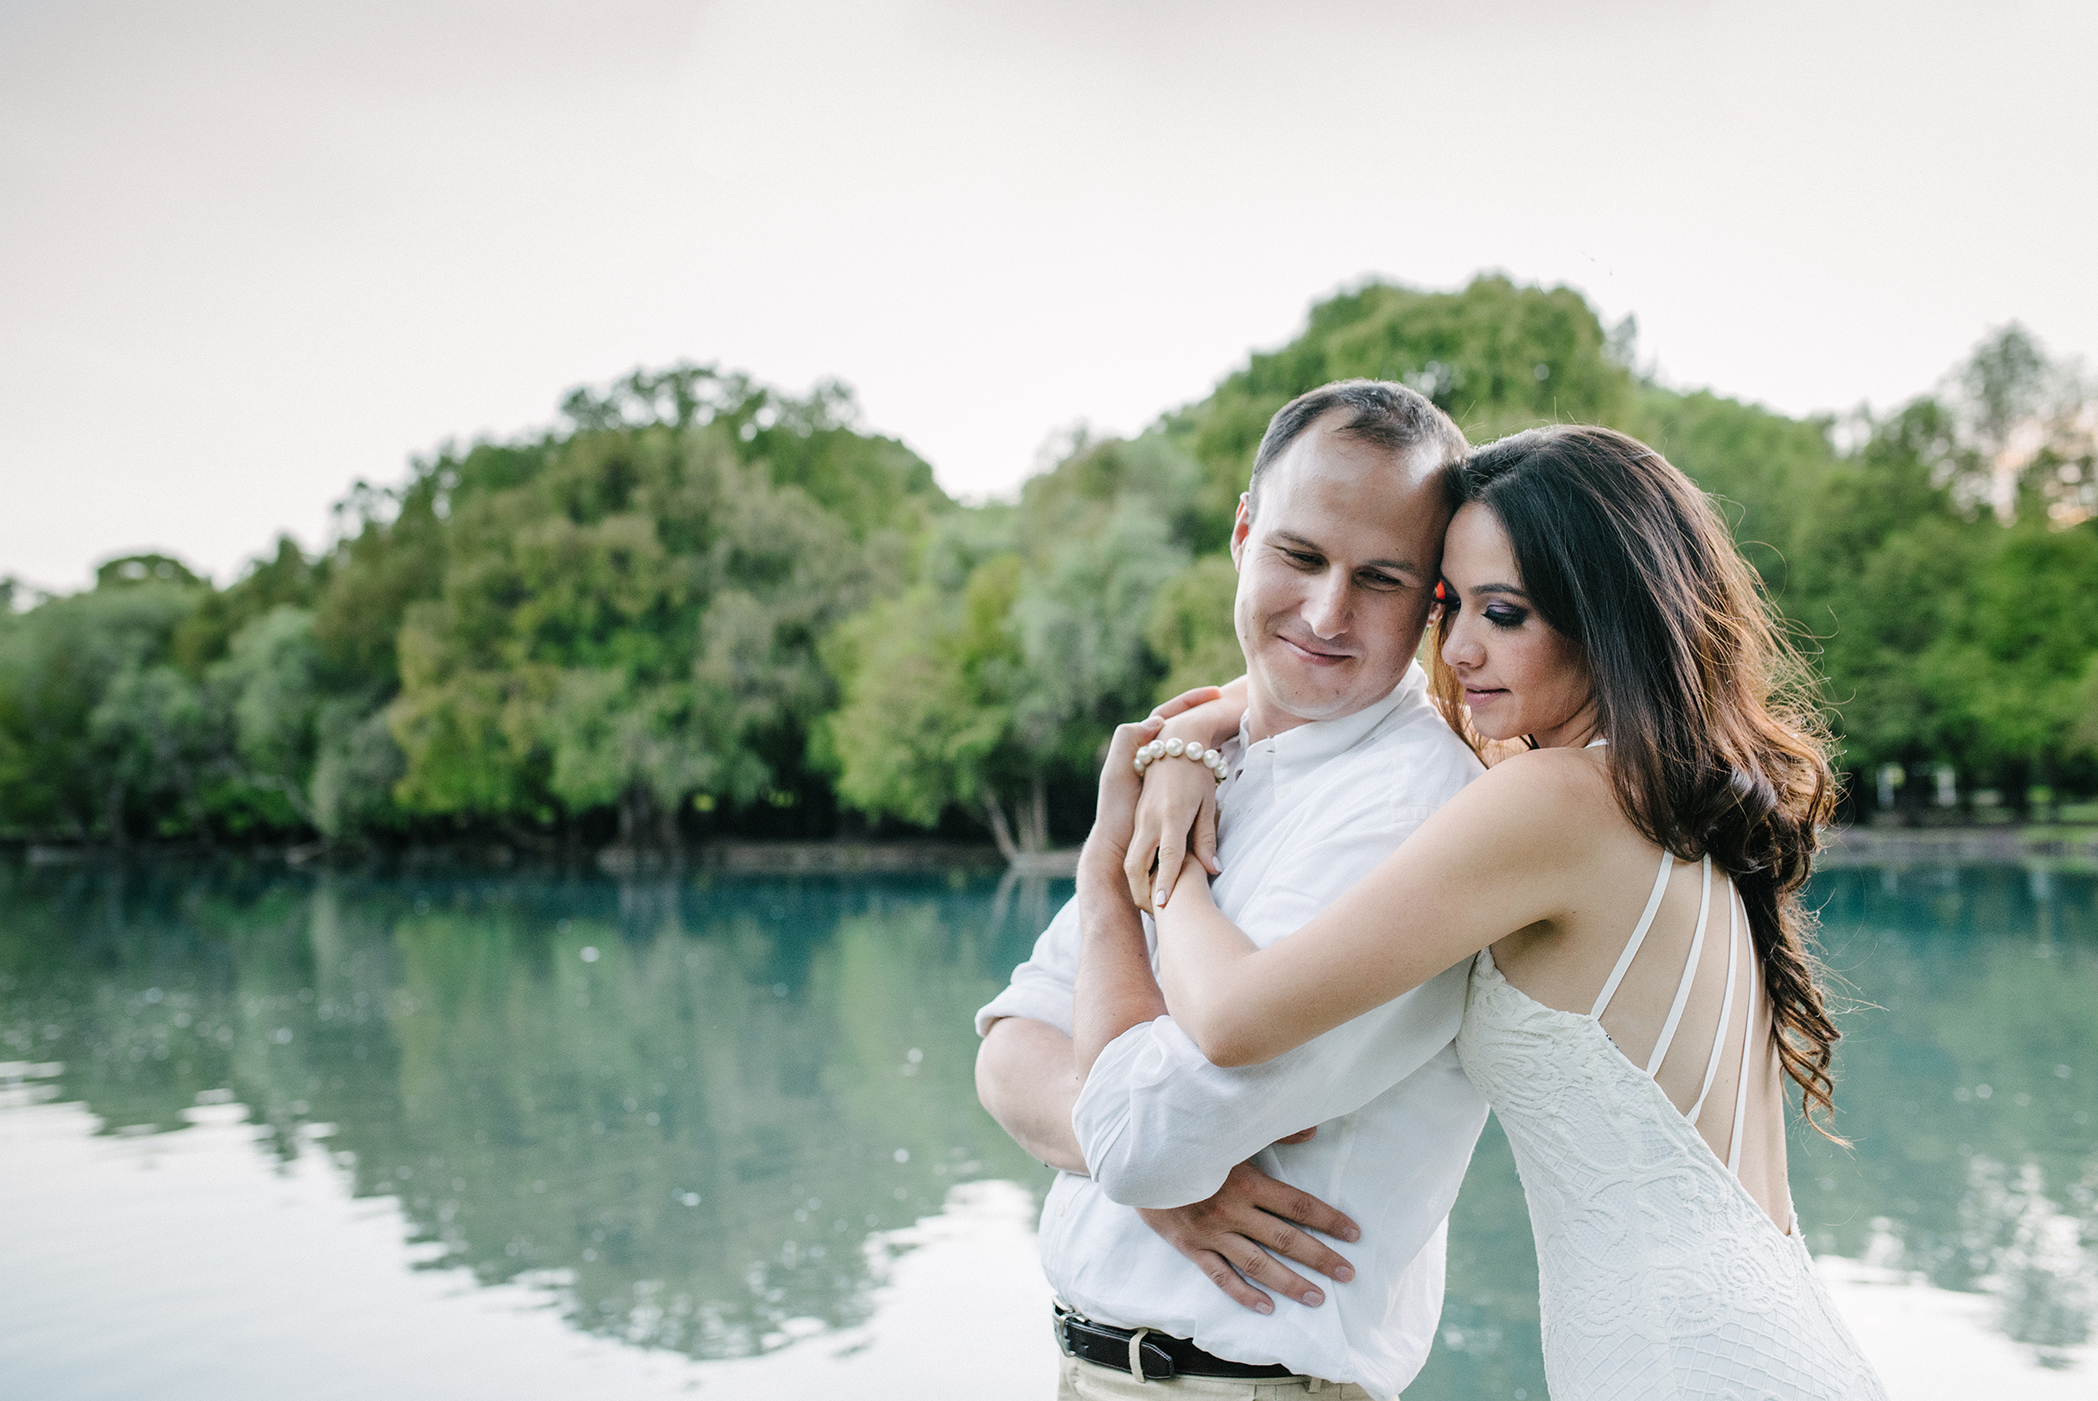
[[1114, 814], [1175, 823], [1177, 813]]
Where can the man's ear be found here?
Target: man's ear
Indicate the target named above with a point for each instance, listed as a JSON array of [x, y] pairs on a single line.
[[1241, 527]]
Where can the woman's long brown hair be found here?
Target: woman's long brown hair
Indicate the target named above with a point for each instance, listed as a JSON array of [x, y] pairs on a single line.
[[1717, 746]]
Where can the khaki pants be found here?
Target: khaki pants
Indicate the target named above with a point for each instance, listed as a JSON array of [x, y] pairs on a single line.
[[1087, 1381]]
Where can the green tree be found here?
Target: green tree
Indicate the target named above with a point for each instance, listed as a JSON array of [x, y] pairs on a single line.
[[1496, 357], [85, 702], [930, 683], [270, 684], [1190, 627], [632, 624]]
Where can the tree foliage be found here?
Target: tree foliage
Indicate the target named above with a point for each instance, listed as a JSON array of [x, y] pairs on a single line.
[[701, 604]]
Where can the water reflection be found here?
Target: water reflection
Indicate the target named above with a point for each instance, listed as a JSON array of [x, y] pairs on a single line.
[[1970, 1088], [692, 1111], [683, 1106]]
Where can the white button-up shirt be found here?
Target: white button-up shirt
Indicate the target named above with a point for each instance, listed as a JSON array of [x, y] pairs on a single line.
[[1304, 816]]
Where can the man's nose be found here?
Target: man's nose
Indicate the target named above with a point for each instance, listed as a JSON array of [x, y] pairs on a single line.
[[1326, 611]]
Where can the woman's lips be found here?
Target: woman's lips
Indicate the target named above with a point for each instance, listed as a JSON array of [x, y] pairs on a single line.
[[1478, 695]]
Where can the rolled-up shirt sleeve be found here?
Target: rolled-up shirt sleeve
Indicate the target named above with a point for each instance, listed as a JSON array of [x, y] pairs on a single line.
[[1162, 1127], [1042, 987]]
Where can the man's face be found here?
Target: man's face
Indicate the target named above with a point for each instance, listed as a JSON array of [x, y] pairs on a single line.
[[1336, 576]]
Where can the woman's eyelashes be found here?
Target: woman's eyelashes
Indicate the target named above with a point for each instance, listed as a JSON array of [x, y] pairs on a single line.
[[1505, 615]]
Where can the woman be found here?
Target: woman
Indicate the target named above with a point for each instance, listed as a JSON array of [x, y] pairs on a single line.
[[1629, 891]]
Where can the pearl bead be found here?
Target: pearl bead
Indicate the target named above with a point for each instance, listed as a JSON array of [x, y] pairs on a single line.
[[1140, 764], [1197, 753], [1174, 747]]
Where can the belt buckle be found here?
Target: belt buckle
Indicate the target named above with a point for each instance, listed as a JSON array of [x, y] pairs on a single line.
[[1132, 1363]]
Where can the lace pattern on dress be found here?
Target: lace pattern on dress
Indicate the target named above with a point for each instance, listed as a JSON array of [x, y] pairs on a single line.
[[1661, 1277]]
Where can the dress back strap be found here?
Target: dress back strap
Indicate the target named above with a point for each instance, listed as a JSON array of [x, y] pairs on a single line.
[[1726, 1003], [1682, 991], [1631, 948], [1733, 1150]]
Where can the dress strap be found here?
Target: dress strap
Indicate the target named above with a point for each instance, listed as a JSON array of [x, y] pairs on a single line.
[[1631, 948], [1682, 991], [1733, 1151], [1726, 1004]]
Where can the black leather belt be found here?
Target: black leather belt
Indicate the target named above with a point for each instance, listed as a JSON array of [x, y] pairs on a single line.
[[1163, 1357]]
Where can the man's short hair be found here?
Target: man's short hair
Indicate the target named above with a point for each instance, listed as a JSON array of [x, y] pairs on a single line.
[[1389, 415]]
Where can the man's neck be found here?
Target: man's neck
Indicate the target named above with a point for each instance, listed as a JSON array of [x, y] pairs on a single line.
[[1265, 719]]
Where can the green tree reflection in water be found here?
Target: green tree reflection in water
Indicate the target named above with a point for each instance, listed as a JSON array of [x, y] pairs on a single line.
[[684, 1106], [690, 1109]]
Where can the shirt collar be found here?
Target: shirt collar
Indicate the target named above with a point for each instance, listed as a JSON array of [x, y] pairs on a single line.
[[1301, 750]]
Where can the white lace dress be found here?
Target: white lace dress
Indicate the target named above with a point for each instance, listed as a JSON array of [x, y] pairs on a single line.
[[1660, 1275]]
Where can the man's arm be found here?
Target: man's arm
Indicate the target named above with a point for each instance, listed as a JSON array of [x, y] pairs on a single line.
[[1116, 987], [1025, 1078]]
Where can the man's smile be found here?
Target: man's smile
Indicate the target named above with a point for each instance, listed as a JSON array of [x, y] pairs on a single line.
[[1315, 653]]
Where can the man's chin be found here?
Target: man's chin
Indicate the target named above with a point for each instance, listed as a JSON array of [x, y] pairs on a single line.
[[1306, 703]]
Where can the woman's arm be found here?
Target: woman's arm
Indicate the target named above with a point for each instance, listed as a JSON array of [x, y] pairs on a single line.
[[1499, 857]]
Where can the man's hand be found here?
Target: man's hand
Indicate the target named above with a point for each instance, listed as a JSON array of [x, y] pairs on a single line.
[[1235, 1236], [1114, 816]]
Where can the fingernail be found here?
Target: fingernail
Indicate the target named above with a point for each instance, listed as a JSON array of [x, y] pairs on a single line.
[[1314, 1298], [1352, 1233], [1343, 1274], [1265, 1305]]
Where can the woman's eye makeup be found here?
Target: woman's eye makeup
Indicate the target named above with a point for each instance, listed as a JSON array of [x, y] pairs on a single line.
[[1505, 615]]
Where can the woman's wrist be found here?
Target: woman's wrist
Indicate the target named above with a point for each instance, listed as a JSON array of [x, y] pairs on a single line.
[[1209, 724]]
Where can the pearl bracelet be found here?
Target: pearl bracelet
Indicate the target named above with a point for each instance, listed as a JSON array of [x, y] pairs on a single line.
[[1181, 749]]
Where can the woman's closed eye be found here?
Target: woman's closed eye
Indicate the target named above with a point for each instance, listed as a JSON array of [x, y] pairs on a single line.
[[1505, 615]]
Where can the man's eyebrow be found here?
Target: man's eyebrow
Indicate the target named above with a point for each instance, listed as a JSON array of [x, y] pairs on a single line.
[[1404, 565]]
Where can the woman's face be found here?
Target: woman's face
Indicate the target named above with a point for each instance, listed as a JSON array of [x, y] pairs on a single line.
[[1520, 676]]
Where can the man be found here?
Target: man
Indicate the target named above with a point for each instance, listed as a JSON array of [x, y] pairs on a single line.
[[1341, 755]]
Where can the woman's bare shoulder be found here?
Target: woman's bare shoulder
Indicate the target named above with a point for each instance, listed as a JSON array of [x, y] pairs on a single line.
[[1580, 773], [1555, 794]]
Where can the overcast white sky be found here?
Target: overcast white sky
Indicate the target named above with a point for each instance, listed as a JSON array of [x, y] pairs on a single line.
[[252, 252]]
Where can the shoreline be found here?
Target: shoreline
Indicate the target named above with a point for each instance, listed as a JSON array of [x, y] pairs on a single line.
[[2069, 848], [2038, 845]]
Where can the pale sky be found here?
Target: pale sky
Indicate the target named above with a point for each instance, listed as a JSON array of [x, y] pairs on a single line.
[[250, 253]]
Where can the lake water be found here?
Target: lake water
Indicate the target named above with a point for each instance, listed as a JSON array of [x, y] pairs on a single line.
[[268, 1134]]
